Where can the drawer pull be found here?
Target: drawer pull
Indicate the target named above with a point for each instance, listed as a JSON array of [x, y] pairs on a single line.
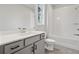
[[42, 36], [35, 47], [15, 47]]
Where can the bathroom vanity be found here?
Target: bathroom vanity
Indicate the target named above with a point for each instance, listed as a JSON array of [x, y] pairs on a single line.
[[23, 43]]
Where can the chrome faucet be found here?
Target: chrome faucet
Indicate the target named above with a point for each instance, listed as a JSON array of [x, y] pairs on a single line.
[[22, 30]]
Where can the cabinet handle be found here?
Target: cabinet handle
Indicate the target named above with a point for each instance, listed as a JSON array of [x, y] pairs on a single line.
[[35, 47], [15, 47], [42, 36], [32, 49]]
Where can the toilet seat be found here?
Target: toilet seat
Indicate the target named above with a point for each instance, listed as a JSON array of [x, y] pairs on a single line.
[[49, 44]]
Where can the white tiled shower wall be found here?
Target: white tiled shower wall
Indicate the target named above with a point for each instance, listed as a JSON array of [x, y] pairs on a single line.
[[61, 23]]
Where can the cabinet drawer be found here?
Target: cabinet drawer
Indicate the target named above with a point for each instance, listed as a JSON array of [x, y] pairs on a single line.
[[27, 50], [32, 40], [13, 47]]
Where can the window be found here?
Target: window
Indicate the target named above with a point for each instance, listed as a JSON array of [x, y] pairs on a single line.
[[40, 13]]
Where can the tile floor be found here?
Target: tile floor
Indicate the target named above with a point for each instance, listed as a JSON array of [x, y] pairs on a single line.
[[62, 50]]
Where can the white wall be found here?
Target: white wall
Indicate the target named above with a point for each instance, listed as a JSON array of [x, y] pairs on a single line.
[[14, 16], [50, 20]]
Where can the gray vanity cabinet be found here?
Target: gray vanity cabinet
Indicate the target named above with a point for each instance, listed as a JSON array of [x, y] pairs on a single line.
[[30, 45], [27, 50], [34, 45], [39, 47]]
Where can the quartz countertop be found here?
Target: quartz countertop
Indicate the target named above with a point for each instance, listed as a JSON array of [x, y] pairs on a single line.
[[5, 39]]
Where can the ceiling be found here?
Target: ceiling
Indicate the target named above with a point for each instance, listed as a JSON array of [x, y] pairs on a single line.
[[29, 6], [61, 5], [32, 6]]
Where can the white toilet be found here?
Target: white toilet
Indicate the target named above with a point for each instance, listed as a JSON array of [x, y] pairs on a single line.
[[49, 44]]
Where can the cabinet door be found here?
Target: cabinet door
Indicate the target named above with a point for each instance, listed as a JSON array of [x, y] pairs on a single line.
[[1, 49], [39, 47], [27, 50]]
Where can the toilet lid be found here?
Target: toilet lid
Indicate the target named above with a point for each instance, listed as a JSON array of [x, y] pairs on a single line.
[[49, 40]]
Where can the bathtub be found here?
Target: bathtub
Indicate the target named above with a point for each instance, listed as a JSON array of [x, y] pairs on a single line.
[[69, 42]]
